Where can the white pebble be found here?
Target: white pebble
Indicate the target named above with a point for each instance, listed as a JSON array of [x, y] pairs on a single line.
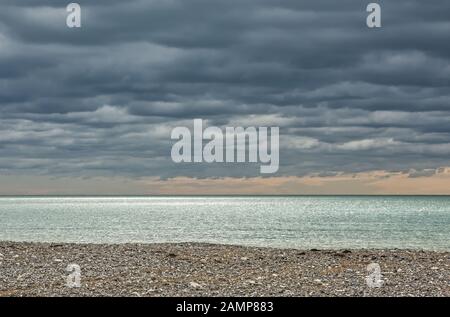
[[194, 285]]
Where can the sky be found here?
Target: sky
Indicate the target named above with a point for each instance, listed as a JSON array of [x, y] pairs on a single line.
[[90, 110]]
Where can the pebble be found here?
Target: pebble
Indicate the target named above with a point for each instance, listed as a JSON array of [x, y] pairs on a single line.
[[195, 285]]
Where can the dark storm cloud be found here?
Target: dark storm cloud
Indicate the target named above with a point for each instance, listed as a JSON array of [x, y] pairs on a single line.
[[101, 100]]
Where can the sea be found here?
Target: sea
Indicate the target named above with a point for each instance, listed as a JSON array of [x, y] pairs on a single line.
[[302, 222]]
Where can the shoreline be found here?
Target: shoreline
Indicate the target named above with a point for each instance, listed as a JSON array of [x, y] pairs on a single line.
[[236, 245], [214, 244], [203, 269]]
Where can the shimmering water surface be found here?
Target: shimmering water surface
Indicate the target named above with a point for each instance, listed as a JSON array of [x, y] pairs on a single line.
[[299, 222]]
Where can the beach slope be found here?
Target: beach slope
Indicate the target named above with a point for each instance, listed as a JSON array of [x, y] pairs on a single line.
[[191, 269]]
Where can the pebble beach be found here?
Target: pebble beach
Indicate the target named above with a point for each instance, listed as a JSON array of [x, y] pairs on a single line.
[[193, 269]]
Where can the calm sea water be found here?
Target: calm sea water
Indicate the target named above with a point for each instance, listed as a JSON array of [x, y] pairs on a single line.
[[299, 222]]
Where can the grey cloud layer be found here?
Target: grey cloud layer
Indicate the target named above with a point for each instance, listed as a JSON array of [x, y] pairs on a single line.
[[101, 100]]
